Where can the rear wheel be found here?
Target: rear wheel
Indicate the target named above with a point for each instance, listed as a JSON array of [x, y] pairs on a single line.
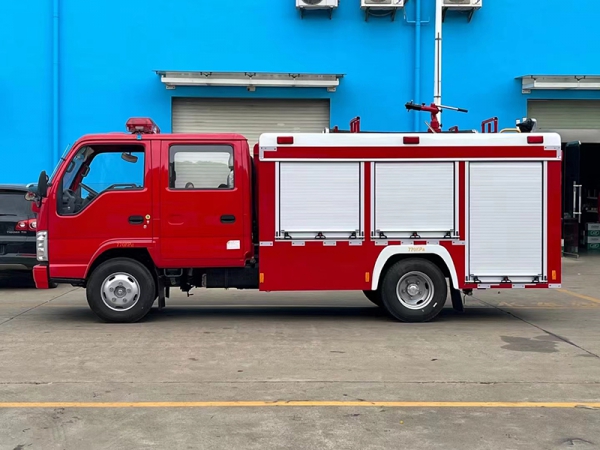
[[414, 290], [121, 290], [374, 296]]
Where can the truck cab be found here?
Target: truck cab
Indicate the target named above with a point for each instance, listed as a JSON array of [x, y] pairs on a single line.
[[174, 201]]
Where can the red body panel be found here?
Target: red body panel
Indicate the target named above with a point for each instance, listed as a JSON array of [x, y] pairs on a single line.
[[554, 222]]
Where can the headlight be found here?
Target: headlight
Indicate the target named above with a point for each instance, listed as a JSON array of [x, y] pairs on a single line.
[[41, 241]]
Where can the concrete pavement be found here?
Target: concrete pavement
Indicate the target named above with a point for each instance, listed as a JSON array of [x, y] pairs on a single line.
[[231, 346]]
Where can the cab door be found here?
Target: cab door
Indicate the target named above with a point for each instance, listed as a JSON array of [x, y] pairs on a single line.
[[201, 206], [103, 201]]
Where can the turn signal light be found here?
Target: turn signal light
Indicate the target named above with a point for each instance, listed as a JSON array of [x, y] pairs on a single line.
[[535, 139], [142, 125]]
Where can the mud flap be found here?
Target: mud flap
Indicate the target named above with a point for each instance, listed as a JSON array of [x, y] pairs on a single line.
[[456, 298], [161, 293]]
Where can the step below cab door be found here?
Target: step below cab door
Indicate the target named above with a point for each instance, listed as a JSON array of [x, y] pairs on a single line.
[[201, 206]]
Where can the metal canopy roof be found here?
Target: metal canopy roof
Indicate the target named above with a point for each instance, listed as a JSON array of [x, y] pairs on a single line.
[[559, 82], [250, 80]]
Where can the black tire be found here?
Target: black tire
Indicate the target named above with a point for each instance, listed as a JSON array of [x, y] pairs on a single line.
[[374, 296], [126, 306], [423, 277]]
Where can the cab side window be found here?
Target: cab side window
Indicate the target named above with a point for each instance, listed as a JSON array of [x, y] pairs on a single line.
[[201, 167], [96, 169]]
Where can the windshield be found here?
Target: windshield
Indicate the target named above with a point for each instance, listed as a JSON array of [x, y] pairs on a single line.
[[60, 161], [75, 165]]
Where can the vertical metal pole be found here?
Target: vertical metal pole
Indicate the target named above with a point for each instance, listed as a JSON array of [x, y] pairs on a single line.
[[55, 80], [437, 87], [417, 60]]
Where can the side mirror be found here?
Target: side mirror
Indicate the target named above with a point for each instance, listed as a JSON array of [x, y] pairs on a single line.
[[129, 157], [42, 189]]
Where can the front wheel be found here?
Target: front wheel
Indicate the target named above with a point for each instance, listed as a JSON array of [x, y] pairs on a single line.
[[414, 290], [121, 290]]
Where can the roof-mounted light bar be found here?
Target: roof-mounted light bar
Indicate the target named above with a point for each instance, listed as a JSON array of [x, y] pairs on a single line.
[[142, 125]]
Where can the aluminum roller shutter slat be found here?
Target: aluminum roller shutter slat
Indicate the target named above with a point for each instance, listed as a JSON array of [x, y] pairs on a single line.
[[319, 197], [249, 117], [505, 219], [414, 197], [565, 114]]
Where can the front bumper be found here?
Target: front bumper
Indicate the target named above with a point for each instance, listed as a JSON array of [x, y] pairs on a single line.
[[40, 276]]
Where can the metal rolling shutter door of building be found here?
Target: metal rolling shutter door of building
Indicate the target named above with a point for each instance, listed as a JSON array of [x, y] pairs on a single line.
[[562, 114], [249, 117]]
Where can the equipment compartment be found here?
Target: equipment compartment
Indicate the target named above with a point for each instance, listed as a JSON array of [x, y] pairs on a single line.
[[319, 200], [414, 197], [507, 221]]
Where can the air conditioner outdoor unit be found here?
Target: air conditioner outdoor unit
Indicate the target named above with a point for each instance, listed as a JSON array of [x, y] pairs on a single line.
[[462, 4], [316, 4], [381, 4]]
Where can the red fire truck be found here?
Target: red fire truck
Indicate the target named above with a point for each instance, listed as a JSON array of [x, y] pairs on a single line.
[[406, 218]]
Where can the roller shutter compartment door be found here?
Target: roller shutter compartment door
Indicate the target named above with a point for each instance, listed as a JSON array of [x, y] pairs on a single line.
[[505, 220], [414, 197], [249, 117], [315, 197]]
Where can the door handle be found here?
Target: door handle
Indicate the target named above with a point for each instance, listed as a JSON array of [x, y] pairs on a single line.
[[136, 220], [227, 218], [577, 204]]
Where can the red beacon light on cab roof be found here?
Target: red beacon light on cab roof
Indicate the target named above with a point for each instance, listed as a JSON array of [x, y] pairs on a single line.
[[142, 125]]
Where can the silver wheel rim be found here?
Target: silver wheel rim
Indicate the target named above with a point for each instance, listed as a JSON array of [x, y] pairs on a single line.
[[415, 290], [120, 291]]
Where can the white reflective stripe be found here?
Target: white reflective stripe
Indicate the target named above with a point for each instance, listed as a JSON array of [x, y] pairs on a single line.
[[414, 250]]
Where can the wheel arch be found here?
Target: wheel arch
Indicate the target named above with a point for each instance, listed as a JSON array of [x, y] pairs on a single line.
[[434, 253], [140, 254]]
